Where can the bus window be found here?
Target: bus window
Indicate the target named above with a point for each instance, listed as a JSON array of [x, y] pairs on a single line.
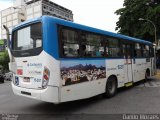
[[126, 51], [114, 47], [105, 44], [93, 46], [70, 50], [138, 50], [145, 50], [69, 39], [151, 52], [28, 38]]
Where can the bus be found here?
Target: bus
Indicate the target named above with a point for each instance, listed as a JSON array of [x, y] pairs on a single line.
[[56, 61]]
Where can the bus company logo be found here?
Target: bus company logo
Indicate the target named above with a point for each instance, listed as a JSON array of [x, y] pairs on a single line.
[[34, 64], [35, 72], [109, 69]]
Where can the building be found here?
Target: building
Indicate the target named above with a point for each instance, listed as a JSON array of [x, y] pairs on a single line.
[[27, 9], [18, 3], [36, 8], [11, 17]]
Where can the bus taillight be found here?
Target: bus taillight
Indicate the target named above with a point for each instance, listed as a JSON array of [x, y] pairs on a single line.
[[19, 71], [46, 75]]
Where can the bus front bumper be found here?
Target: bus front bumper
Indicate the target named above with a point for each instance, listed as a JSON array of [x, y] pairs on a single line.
[[50, 94]]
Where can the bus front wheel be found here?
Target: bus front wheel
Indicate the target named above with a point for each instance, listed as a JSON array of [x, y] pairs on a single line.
[[111, 87]]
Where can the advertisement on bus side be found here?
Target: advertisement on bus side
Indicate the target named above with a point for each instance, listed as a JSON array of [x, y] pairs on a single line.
[[73, 72]]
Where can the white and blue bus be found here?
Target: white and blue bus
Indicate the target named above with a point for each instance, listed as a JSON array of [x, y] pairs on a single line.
[[56, 61]]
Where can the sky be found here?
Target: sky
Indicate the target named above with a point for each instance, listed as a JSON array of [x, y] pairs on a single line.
[[94, 13], [5, 4]]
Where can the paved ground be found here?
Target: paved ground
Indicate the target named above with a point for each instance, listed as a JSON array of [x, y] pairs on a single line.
[[158, 74], [143, 98]]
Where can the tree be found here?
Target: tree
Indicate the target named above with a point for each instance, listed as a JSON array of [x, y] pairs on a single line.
[[155, 1], [4, 60], [129, 24]]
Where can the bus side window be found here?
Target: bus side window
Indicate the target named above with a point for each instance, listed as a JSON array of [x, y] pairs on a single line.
[[113, 47], [83, 52], [135, 53], [69, 42], [138, 50], [106, 49], [70, 50], [92, 44], [151, 52], [146, 51]]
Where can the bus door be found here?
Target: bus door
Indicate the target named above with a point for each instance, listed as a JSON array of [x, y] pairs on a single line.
[[127, 53]]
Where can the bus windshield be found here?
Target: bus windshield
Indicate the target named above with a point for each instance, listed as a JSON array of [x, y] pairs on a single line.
[[26, 39]]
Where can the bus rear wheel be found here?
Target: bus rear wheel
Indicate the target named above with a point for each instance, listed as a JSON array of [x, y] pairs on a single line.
[[111, 87], [147, 74]]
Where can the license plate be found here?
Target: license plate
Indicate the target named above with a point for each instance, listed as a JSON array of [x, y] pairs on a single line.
[[26, 79]]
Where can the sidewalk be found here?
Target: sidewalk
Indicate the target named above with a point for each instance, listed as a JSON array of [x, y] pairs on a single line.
[[158, 74]]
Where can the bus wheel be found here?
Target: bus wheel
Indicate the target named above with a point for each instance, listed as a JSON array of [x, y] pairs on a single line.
[[111, 87], [147, 74]]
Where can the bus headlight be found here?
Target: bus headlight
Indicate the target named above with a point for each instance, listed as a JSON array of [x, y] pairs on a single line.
[[46, 75]]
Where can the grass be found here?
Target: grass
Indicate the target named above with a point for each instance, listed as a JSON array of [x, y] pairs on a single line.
[[2, 55]]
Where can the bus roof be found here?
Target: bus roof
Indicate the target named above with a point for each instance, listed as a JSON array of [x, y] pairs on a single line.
[[82, 27]]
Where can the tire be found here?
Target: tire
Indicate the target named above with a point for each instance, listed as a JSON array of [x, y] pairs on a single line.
[[1, 79], [111, 87], [147, 75]]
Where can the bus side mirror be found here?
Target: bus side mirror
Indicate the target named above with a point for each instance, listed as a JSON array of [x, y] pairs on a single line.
[[8, 44], [8, 38]]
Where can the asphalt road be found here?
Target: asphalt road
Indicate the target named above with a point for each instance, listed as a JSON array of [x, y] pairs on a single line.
[[143, 98]]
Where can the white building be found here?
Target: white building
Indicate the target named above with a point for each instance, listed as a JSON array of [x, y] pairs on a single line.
[[27, 9], [36, 8], [18, 3], [11, 17]]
